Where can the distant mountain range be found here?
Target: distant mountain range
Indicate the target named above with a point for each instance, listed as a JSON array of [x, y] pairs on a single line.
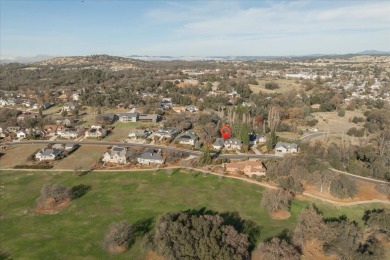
[[39, 58]]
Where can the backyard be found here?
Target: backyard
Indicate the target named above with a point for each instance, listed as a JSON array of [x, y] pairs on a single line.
[[77, 231]]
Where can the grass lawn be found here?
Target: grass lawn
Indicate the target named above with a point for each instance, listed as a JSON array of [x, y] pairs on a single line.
[[77, 231], [84, 157], [18, 154], [121, 130]]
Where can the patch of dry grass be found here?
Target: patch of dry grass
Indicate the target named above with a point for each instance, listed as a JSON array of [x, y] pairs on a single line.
[[284, 84], [18, 154]]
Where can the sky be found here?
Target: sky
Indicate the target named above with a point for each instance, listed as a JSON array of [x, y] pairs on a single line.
[[192, 28]]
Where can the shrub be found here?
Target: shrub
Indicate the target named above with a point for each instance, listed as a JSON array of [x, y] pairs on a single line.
[[182, 235], [341, 112], [119, 237], [312, 122], [53, 195], [356, 119], [355, 132], [271, 85]]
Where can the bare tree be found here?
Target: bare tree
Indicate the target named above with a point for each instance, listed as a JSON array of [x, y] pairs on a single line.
[[278, 249], [119, 237], [274, 200]]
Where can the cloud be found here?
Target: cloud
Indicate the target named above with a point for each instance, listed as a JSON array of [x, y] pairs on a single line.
[[283, 19]]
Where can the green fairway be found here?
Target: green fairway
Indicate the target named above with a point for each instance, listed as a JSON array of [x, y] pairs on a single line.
[[77, 231]]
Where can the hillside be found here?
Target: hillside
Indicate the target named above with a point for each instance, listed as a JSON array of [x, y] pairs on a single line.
[[92, 62]]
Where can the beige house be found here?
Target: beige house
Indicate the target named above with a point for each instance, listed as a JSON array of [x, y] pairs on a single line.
[[249, 168]]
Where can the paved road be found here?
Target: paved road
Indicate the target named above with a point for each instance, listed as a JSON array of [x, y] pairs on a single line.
[[361, 178], [153, 146]]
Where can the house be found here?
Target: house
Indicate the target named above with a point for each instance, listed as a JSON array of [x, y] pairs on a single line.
[[256, 139], [75, 97], [167, 133], [96, 132], [3, 102], [218, 144], [68, 133], [152, 118], [166, 104], [48, 154], [68, 107], [150, 156], [139, 133], [128, 117], [50, 130], [116, 155], [21, 134], [4, 134], [315, 106], [233, 144], [249, 168], [192, 108], [188, 137], [282, 148], [25, 116]]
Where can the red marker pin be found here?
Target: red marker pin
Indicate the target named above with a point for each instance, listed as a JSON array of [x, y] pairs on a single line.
[[225, 131]]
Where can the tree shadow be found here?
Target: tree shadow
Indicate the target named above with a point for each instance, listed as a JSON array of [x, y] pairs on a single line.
[[216, 155], [143, 226], [80, 190]]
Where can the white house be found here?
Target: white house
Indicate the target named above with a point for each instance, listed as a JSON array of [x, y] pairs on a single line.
[[188, 138], [150, 156], [68, 133], [48, 154], [75, 97], [128, 117], [21, 134], [233, 144], [139, 133], [167, 133], [68, 107], [282, 148], [192, 108], [116, 155], [256, 139], [96, 132]]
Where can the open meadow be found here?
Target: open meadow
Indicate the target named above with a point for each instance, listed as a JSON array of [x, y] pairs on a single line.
[[285, 85], [77, 231]]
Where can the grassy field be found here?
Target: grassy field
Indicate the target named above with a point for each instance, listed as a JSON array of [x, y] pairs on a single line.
[[121, 130], [84, 157], [18, 154], [284, 84], [77, 231]]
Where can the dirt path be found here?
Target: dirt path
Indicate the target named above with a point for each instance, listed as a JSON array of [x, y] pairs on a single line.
[[266, 185]]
